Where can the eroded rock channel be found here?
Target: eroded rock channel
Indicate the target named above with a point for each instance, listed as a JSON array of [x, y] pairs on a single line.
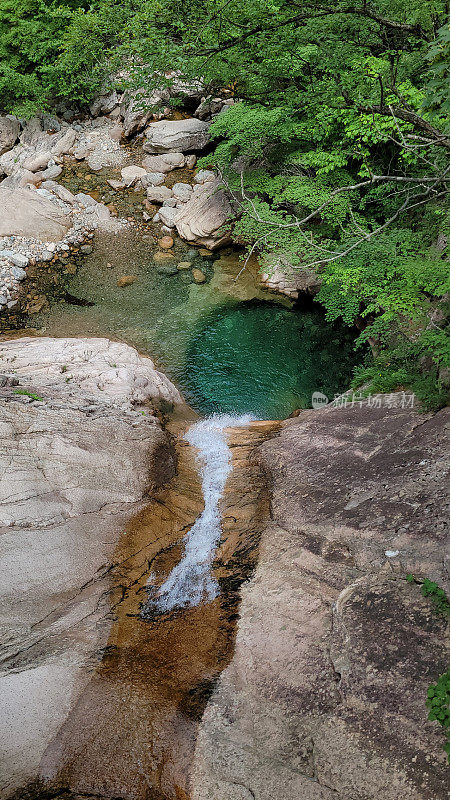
[[215, 608]]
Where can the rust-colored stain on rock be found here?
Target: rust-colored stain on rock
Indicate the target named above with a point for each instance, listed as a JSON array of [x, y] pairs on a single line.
[[132, 731]]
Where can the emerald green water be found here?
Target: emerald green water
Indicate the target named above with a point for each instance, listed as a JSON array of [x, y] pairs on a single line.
[[266, 360], [229, 345]]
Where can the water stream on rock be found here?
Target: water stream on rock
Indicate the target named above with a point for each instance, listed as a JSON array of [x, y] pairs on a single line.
[[237, 352], [191, 582]]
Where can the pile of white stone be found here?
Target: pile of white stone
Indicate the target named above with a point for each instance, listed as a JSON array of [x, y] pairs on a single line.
[[198, 212], [39, 218]]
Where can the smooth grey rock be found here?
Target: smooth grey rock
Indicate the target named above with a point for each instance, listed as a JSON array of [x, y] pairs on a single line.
[[153, 179], [168, 216], [38, 162], [50, 123], [203, 218], [182, 191], [157, 194], [130, 175], [9, 133], [104, 103], [65, 143], [85, 200], [51, 173], [19, 273], [176, 135], [204, 175], [163, 163], [18, 259], [137, 109], [291, 282], [74, 470], [24, 213], [330, 632], [209, 107]]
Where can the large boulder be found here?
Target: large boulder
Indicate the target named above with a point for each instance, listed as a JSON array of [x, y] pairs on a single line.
[[176, 135], [9, 132], [324, 698], [138, 108], [207, 218], [24, 212], [104, 103], [281, 277], [76, 463]]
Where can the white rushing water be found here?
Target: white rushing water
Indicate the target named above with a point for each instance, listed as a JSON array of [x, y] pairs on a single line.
[[191, 581]]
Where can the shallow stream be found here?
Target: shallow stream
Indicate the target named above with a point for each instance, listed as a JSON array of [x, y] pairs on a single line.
[[237, 352], [230, 345]]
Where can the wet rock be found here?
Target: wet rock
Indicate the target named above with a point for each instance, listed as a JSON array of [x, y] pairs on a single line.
[[126, 280], [9, 133], [290, 281], [167, 269], [161, 257], [165, 243], [191, 161], [176, 135], [184, 265], [80, 464], [198, 275]]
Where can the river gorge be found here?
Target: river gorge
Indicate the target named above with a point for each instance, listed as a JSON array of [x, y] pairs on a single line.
[[206, 592]]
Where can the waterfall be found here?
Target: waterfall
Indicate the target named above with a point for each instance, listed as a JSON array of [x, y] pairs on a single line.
[[191, 581]]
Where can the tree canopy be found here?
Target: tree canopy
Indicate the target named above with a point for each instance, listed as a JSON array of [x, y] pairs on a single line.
[[337, 147]]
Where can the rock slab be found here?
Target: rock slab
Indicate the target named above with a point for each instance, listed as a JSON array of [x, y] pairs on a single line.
[[77, 458], [325, 696]]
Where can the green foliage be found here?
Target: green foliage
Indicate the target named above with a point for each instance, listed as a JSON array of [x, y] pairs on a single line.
[[438, 702], [28, 394], [330, 94], [437, 97], [52, 49], [438, 694], [437, 596]]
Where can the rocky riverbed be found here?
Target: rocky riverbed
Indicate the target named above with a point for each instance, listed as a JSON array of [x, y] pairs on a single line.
[[304, 673], [308, 679], [41, 218]]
